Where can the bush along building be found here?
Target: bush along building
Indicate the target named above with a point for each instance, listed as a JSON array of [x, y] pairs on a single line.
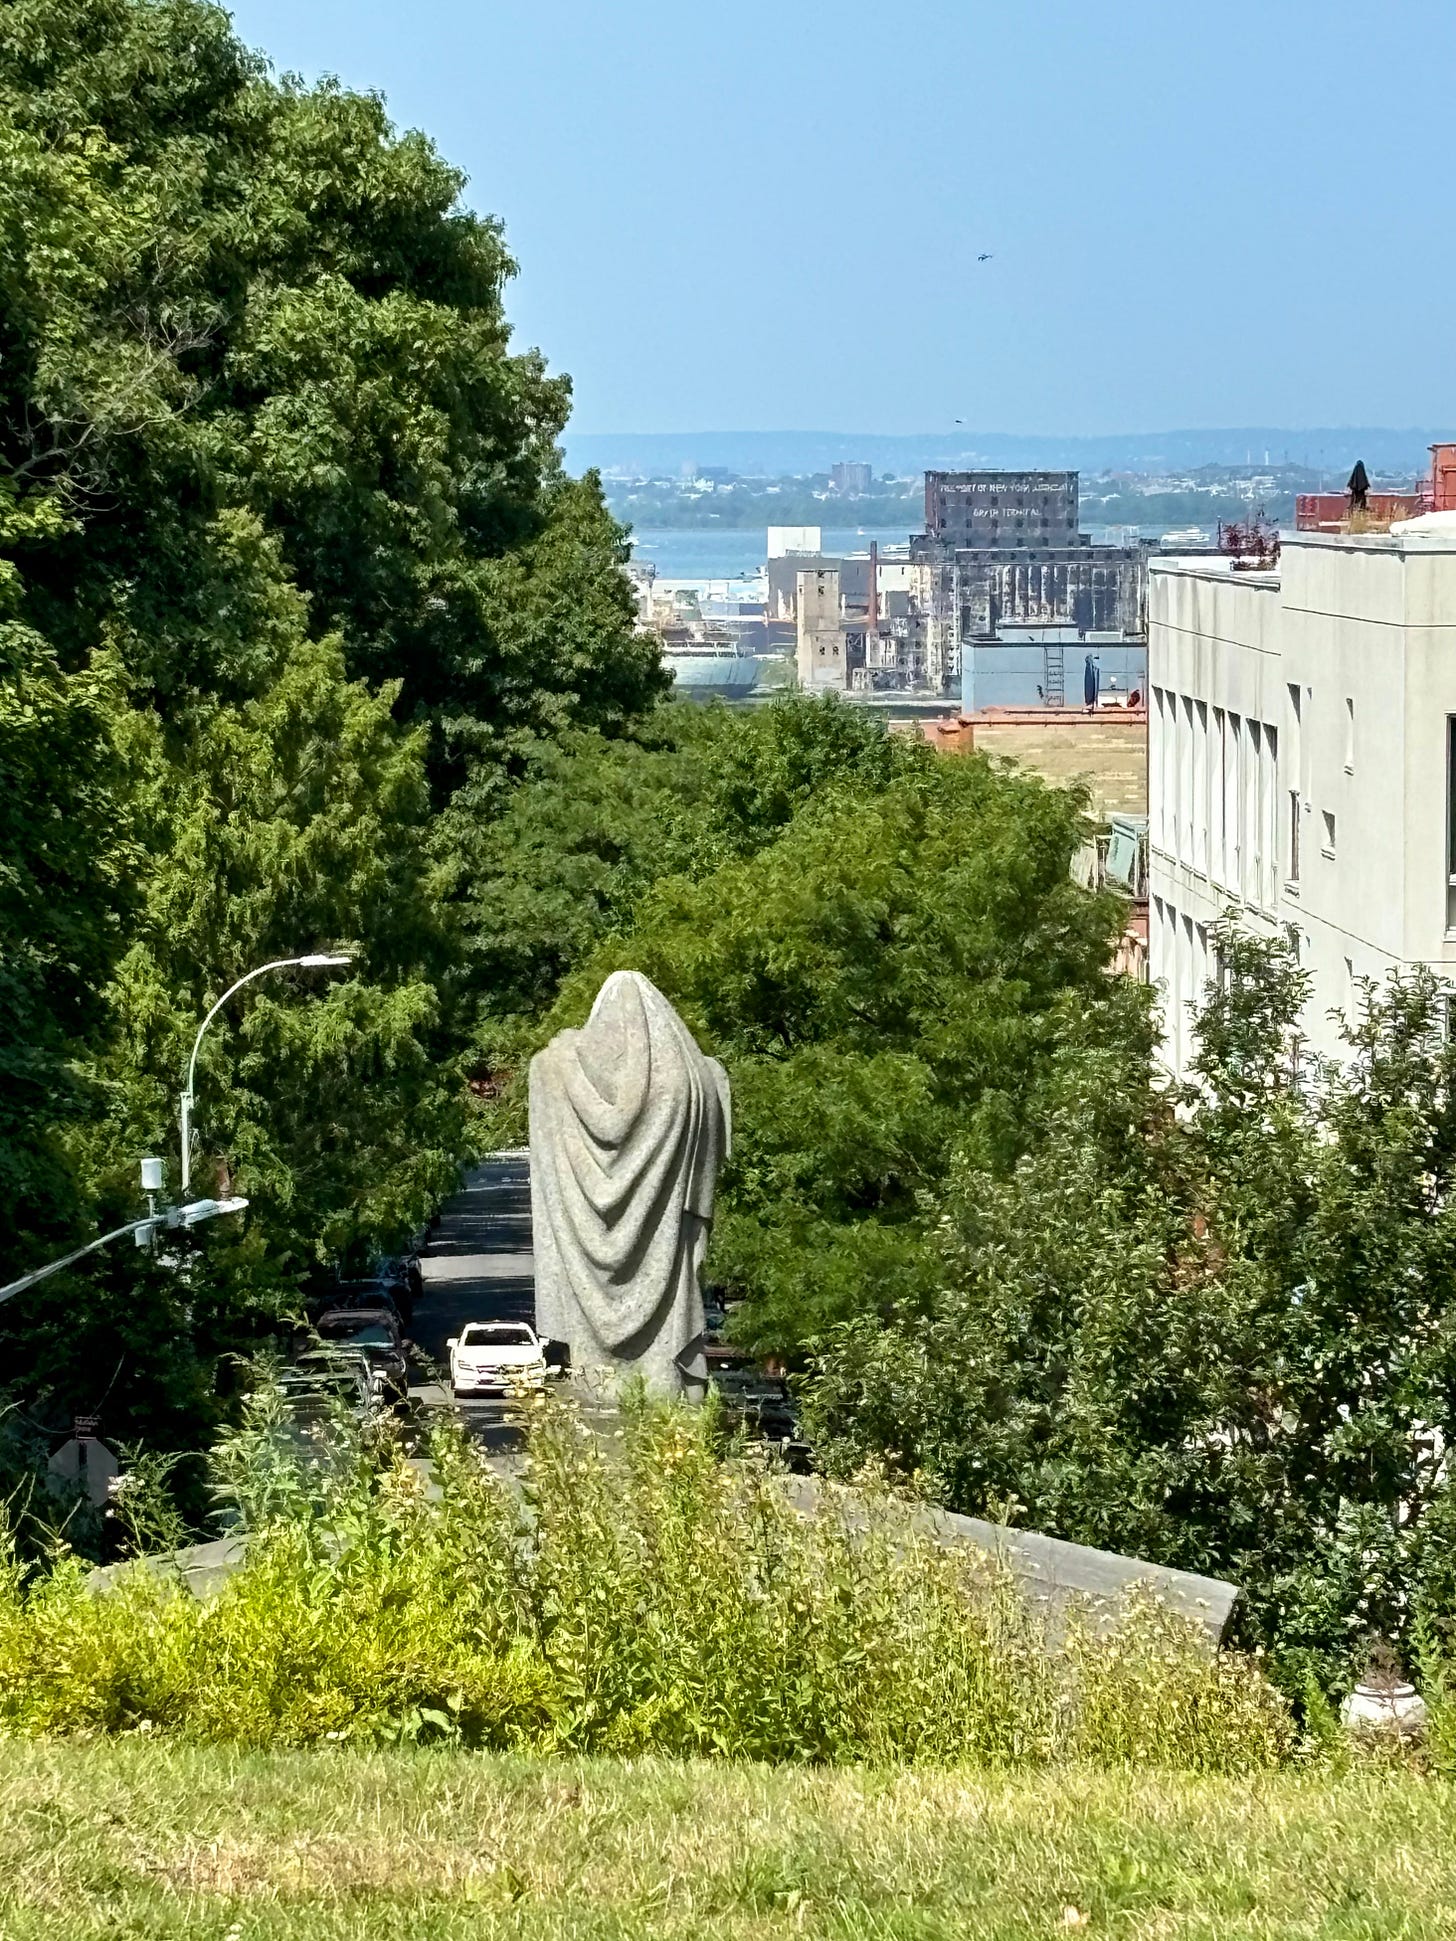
[[1302, 753]]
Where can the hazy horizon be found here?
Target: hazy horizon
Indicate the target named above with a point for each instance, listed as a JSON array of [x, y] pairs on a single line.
[[1382, 447]]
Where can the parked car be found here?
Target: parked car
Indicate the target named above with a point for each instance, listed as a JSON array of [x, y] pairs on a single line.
[[763, 1406], [494, 1357], [376, 1295], [371, 1330], [321, 1378], [402, 1275]]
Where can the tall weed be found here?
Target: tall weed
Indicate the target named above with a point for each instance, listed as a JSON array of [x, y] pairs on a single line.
[[638, 1594]]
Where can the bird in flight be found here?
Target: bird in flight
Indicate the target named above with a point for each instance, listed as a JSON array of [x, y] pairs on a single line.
[[985, 256]]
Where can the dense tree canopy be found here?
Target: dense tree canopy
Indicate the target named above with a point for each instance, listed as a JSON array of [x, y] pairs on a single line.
[[288, 565], [886, 979], [219, 292]]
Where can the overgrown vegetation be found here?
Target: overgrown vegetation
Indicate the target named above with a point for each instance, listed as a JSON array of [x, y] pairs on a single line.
[[887, 983], [1221, 1336], [307, 641], [638, 1597]]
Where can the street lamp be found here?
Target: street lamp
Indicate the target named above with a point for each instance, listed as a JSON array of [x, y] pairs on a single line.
[[145, 1230], [315, 960]]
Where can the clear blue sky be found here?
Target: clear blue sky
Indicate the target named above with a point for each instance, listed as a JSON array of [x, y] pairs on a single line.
[[766, 213]]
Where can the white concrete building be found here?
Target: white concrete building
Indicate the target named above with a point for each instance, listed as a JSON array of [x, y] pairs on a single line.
[[1302, 762]]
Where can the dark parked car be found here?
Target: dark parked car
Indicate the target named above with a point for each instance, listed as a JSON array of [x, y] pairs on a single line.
[[318, 1381], [763, 1405], [376, 1296], [373, 1332], [400, 1272], [321, 1390]]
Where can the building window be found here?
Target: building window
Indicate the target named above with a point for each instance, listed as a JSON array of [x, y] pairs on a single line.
[[1349, 734], [1269, 813], [1329, 821], [1200, 787]]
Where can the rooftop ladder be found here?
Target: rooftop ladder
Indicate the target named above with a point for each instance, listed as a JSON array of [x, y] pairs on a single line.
[[1056, 675]]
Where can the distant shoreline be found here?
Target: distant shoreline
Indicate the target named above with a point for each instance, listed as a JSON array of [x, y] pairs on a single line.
[[784, 453]]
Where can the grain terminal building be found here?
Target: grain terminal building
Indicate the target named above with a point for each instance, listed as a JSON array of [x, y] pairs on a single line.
[[1002, 554]]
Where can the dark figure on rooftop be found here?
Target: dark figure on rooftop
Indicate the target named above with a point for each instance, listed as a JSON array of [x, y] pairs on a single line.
[[1359, 487]]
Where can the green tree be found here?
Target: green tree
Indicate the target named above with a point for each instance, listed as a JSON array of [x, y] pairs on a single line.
[[222, 291], [62, 867], [287, 561], [885, 981], [1222, 1337], [551, 867]]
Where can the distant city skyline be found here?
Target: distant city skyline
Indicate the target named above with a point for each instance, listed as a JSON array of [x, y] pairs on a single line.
[[1063, 219], [781, 453]]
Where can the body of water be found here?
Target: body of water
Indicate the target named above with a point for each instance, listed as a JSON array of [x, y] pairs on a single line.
[[698, 555]]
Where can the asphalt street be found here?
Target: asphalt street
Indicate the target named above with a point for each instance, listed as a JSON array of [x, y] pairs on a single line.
[[477, 1266]]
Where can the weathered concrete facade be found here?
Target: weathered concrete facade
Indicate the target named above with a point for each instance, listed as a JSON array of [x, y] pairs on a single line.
[[1003, 549], [820, 658], [969, 594], [1001, 509]]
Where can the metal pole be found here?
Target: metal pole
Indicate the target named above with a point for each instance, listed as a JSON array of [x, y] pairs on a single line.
[[174, 1216], [315, 960], [55, 1266]]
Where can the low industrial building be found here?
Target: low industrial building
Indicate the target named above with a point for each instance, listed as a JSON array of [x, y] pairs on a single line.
[[1105, 752]]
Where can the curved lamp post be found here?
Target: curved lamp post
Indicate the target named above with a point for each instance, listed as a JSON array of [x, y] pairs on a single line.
[[145, 1229], [315, 960]]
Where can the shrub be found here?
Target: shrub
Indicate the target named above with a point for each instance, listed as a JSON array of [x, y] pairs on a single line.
[[639, 1594]]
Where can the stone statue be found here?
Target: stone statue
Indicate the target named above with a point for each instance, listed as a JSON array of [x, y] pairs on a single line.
[[629, 1126]]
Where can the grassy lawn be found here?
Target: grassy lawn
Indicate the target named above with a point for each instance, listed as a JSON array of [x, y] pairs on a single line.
[[139, 1840]]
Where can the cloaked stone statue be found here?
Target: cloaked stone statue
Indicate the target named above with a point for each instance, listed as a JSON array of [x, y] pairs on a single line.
[[629, 1126]]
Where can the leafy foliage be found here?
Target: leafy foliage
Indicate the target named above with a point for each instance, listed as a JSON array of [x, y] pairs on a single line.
[[1223, 1338], [287, 559], [551, 867], [654, 1599], [885, 979]]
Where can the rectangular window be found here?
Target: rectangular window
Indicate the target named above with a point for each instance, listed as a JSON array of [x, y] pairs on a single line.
[[1329, 822], [1187, 850], [1187, 993], [1233, 778], [1200, 786], [1291, 874], [1349, 734], [1157, 769], [1349, 990], [1218, 801], [1269, 808], [1249, 815]]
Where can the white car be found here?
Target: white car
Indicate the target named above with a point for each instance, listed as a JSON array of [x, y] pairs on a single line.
[[494, 1357]]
